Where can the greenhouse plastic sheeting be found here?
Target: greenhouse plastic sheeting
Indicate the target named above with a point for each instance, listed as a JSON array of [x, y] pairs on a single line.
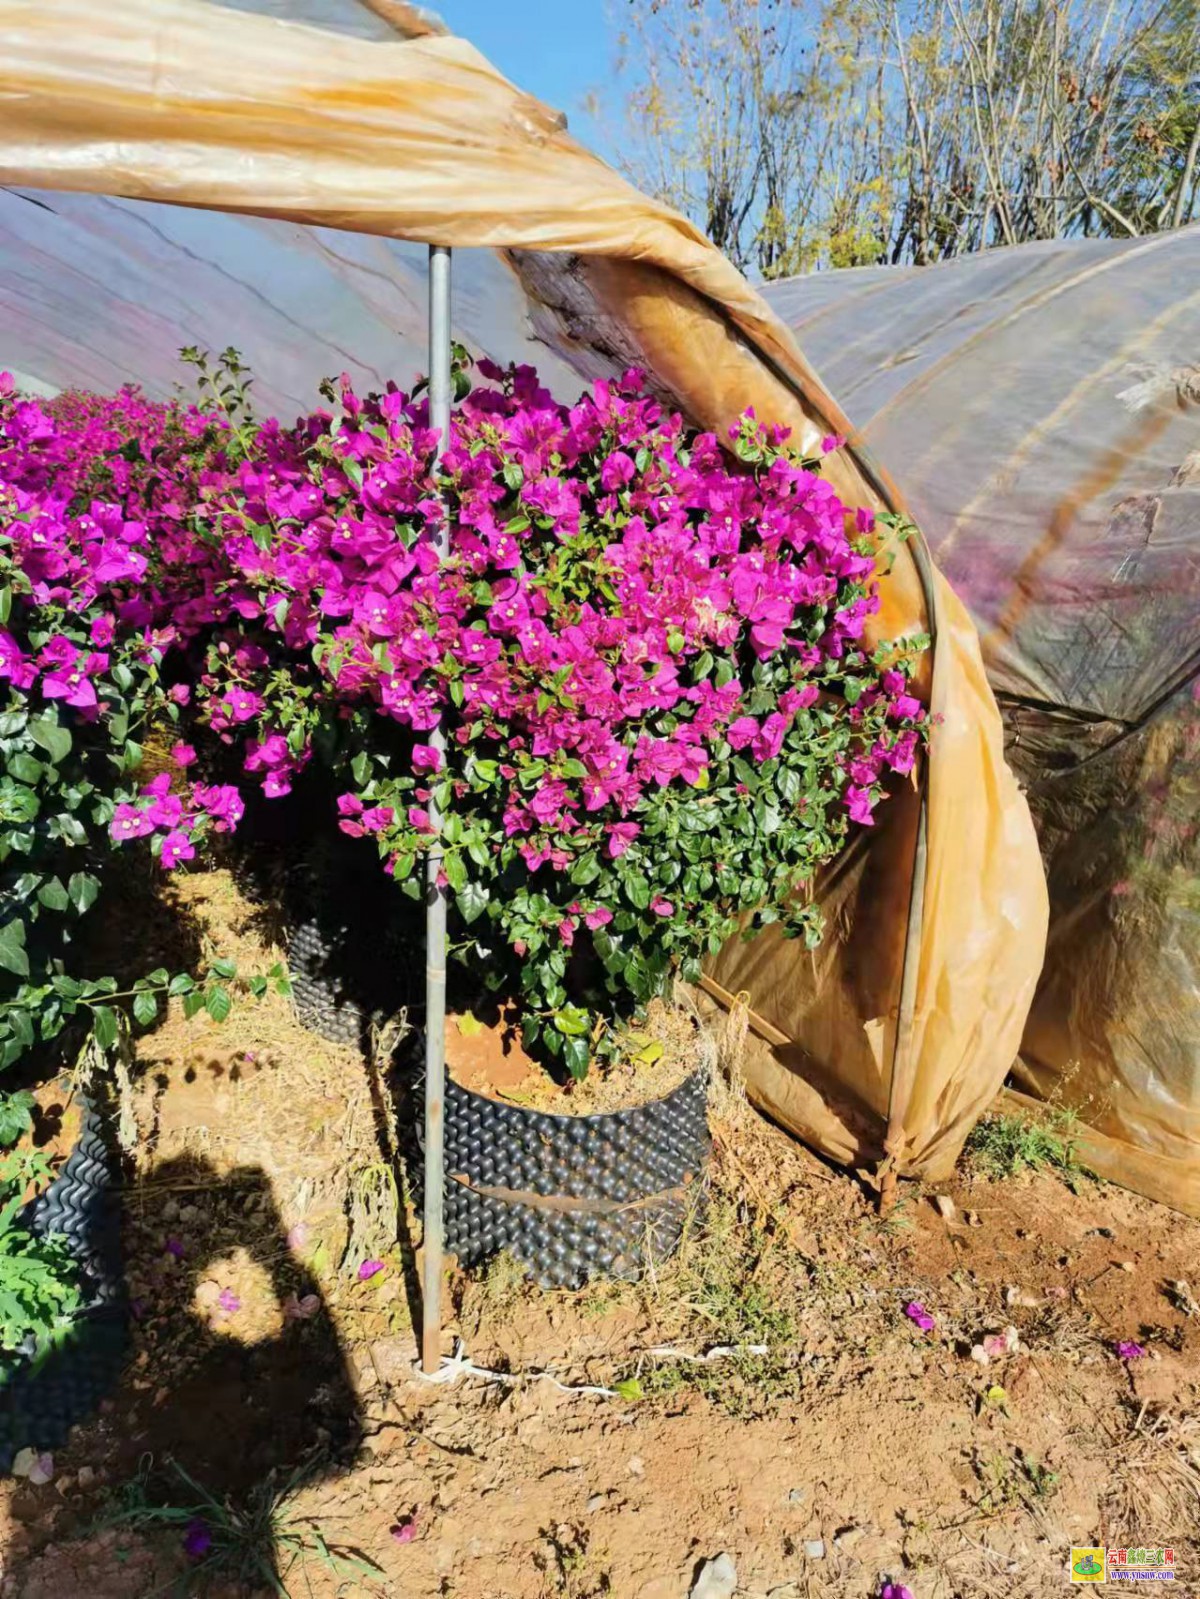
[[1042, 406], [420, 139]]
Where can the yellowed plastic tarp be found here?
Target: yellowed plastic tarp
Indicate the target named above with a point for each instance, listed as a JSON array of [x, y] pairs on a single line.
[[1047, 415], [420, 139]]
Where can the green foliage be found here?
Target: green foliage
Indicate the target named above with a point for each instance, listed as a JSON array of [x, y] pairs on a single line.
[[1004, 1145], [39, 1286]]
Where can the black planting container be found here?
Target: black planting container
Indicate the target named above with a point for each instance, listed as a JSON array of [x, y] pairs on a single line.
[[349, 958], [41, 1401], [571, 1197]]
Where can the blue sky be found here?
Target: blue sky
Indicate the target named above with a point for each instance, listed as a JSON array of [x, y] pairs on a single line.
[[559, 50]]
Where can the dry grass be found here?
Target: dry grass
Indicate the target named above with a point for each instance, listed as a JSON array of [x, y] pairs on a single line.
[[1156, 1478]]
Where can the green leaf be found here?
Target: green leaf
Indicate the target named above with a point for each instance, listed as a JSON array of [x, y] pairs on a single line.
[[12, 949], [472, 900], [16, 1116], [145, 1008], [218, 1003], [456, 871], [360, 766], [224, 968], [105, 1026], [53, 895], [586, 869], [25, 768], [181, 983], [47, 734], [5, 604], [572, 1021], [629, 1388], [576, 1056], [637, 890], [83, 889]]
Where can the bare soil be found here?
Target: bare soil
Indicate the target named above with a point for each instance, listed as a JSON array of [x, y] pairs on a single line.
[[857, 1448]]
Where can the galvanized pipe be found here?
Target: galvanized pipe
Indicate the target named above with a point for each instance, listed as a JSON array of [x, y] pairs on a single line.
[[435, 893]]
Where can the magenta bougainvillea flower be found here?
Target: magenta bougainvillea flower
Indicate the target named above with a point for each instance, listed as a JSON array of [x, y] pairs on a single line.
[[1127, 1350], [369, 1269], [229, 1301], [651, 652]]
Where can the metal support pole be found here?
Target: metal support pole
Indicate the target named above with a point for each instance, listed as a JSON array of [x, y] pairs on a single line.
[[435, 894]]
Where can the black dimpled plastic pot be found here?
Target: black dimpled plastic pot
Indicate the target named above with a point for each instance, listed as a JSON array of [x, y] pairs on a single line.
[[573, 1197], [348, 954], [40, 1401]]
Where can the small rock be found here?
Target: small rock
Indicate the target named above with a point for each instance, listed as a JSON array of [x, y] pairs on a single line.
[[86, 1476], [596, 1502], [972, 1218], [637, 1467], [1126, 1265], [717, 1579], [1019, 1296], [797, 1496], [848, 1537], [1183, 1297], [945, 1206], [814, 1548]]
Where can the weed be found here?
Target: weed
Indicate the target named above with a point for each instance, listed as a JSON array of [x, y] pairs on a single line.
[[489, 1295], [569, 1564], [254, 1543], [1006, 1144], [1014, 1481], [731, 1284], [374, 1211]]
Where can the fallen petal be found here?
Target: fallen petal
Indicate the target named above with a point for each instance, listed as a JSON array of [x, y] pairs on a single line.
[[369, 1269], [915, 1311], [301, 1309]]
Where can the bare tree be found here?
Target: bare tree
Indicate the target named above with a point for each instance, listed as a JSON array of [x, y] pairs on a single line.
[[810, 133]]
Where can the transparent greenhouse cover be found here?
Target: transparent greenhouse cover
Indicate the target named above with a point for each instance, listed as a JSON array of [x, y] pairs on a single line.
[[337, 136], [1042, 408]]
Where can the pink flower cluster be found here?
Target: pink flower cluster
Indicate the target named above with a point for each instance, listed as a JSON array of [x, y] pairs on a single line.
[[599, 556], [165, 816], [644, 648]]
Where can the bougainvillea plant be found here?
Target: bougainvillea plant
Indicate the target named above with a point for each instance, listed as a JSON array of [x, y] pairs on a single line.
[[644, 649], [103, 581]]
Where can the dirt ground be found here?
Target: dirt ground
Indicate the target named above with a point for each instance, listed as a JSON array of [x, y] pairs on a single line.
[[857, 1449]]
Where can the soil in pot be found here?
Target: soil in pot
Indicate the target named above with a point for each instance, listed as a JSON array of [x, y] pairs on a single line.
[[659, 1052]]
